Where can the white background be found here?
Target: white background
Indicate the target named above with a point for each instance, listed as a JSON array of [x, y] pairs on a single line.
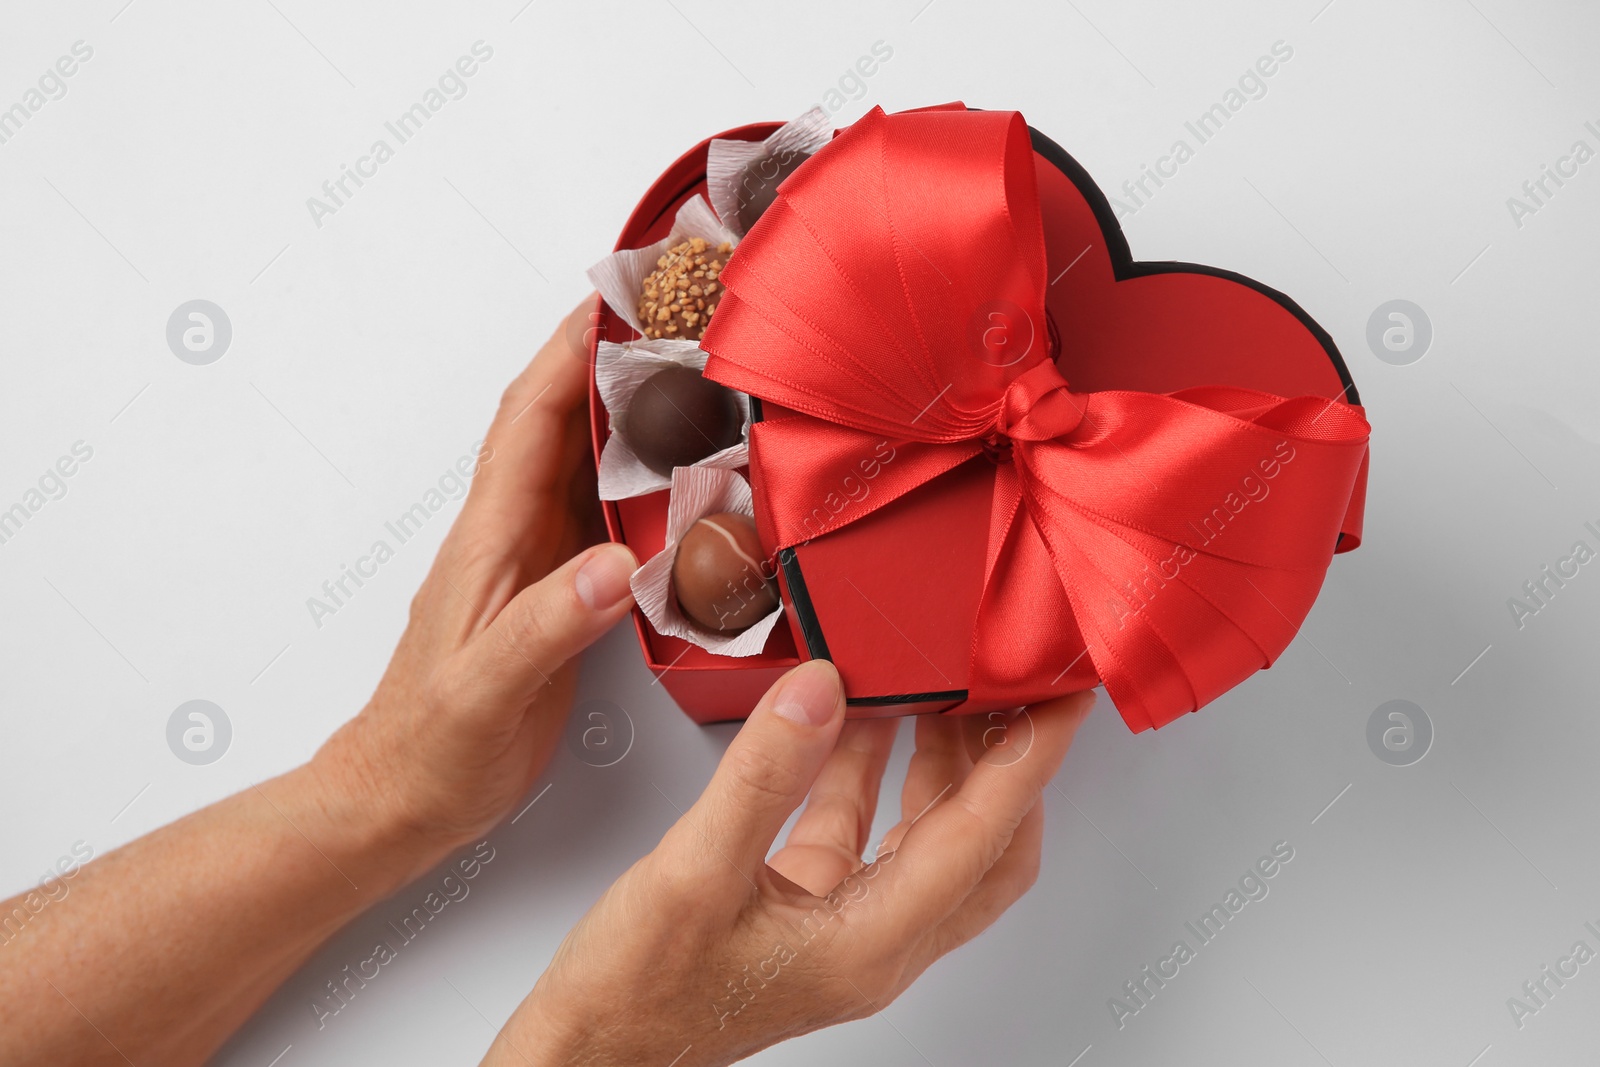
[[368, 354]]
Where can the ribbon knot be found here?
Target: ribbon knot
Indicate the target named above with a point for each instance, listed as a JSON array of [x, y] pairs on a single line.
[[997, 448], [1038, 406], [1174, 541]]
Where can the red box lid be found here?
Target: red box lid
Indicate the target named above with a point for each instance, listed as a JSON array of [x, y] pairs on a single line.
[[890, 598]]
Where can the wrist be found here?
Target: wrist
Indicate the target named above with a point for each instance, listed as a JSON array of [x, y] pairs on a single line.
[[557, 1026], [538, 1036], [365, 812]]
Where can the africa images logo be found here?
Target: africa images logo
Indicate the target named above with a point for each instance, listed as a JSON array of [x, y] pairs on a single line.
[[452, 85], [1253, 885]]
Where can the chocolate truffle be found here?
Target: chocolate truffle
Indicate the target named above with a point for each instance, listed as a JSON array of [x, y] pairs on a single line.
[[759, 186], [677, 418], [681, 293], [720, 580]]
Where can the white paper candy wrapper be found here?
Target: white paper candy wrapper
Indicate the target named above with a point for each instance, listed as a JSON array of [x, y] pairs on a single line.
[[727, 160], [696, 493], [619, 370], [619, 277]]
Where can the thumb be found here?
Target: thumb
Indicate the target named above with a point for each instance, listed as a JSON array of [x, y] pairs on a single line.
[[767, 771], [549, 622]]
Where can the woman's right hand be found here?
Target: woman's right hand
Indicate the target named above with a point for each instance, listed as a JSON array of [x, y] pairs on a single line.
[[705, 951]]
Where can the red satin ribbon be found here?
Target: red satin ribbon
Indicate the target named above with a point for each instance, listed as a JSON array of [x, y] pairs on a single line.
[[1181, 537]]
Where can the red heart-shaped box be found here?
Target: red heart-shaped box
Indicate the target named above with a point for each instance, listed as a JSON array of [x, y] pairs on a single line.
[[890, 598]]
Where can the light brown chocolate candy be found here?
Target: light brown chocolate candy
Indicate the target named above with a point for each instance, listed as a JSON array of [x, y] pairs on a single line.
[[719, 576]]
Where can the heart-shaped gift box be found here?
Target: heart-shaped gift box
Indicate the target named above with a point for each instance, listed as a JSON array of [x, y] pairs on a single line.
[[957, 528]]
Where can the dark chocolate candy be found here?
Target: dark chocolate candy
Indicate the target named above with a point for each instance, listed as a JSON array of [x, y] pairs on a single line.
[[677, 418], [720, 578], [759, 186]]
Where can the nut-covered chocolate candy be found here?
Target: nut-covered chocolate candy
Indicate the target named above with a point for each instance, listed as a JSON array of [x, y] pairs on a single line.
[[677, 418], [681, 293], [720, 580], [759, 186]]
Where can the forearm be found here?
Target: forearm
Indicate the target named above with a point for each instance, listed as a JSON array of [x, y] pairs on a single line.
[[213, 911], [156, 952]]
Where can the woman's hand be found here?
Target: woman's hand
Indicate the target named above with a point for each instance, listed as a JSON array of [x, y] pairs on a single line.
[[477, 693], [706, 951]]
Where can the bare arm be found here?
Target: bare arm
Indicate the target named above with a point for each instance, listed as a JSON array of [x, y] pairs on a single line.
[[157, 951], [215, 910]]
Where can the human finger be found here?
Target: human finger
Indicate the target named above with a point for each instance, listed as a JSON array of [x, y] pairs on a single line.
[[1001, 886], [765, 773], [939, 764], [543, 626], [827, 840], [525, 455], [945, 855]]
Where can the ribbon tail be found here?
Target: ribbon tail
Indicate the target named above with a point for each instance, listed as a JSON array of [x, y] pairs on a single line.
[[1026, 644]]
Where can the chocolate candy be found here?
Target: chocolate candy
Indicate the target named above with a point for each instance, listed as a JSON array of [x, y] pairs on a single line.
[[681, 293], [677, 418], [719, 577], [759, 186]]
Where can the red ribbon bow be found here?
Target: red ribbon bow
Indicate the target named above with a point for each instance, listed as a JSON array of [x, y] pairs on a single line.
[[1181, 537]]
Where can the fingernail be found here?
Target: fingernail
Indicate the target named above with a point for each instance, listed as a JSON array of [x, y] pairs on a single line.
[[809, 694], [602, 581]]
